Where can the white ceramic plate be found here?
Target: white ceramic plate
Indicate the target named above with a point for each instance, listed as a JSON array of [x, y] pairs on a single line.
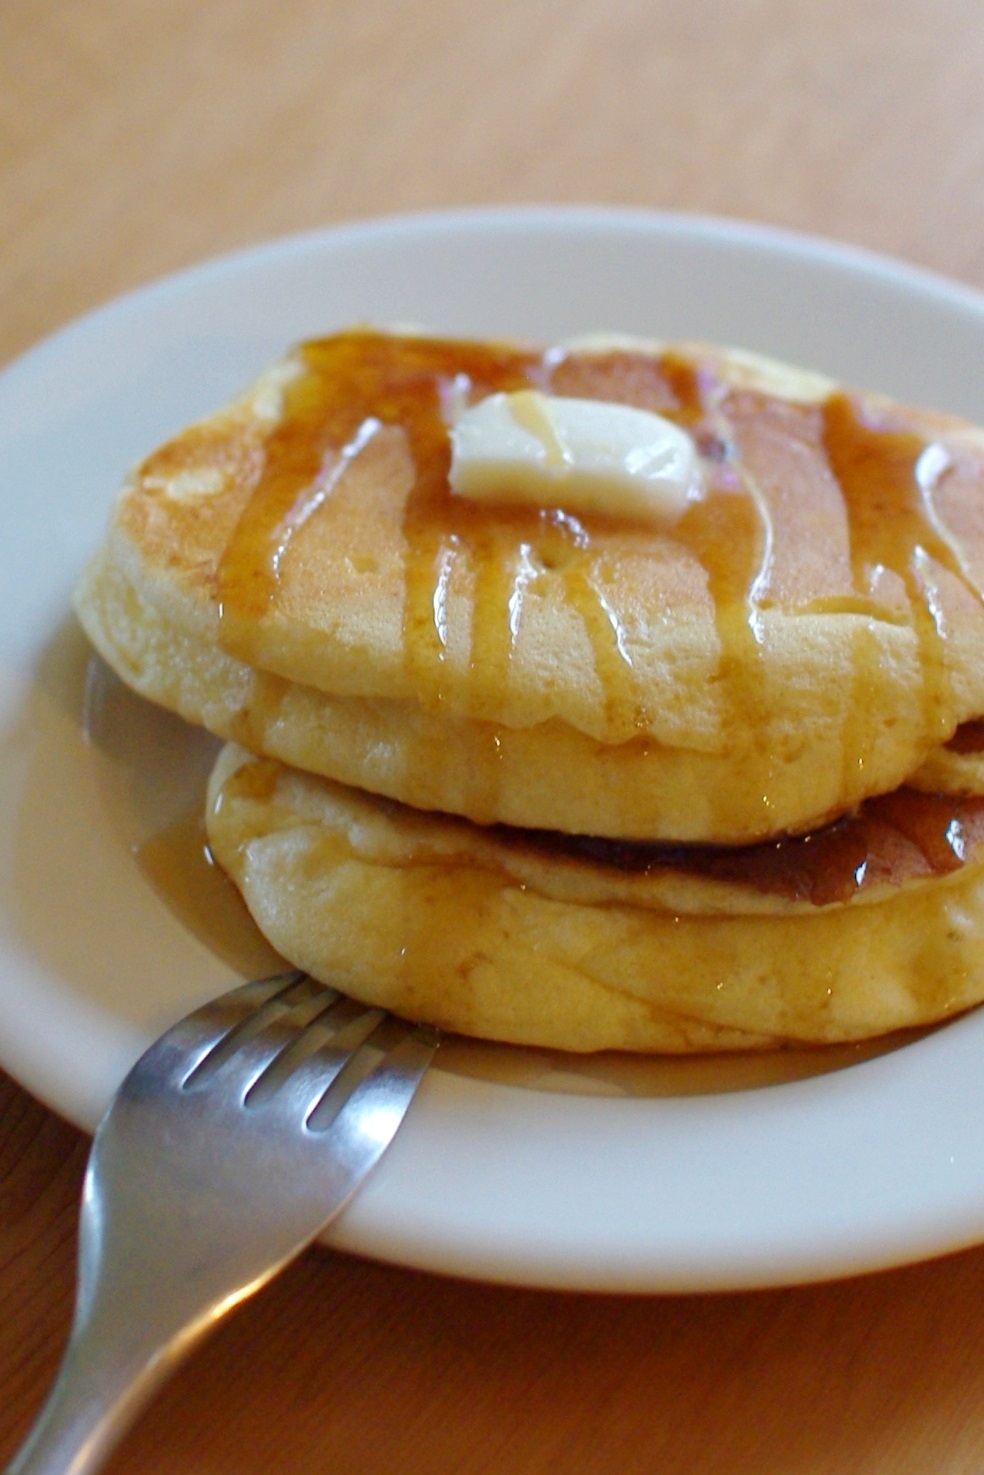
[[843, 1171]]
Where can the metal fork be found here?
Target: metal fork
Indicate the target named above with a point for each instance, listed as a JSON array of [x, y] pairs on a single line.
[[229, 1147]]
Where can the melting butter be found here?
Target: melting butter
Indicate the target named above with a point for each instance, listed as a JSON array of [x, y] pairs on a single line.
[[584, 455]]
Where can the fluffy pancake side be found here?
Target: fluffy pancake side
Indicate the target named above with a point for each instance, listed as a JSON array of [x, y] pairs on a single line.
[[548, 776], [288, 584], [521, 939]]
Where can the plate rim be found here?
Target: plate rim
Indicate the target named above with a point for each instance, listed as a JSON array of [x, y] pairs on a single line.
[[781, 239]]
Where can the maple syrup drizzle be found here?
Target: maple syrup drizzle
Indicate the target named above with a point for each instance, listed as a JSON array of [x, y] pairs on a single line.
[[349, 388], [353, 385], [892, 526], [729, 531]]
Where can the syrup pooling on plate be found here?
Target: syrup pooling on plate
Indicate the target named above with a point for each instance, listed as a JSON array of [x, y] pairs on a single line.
[[767, 463]]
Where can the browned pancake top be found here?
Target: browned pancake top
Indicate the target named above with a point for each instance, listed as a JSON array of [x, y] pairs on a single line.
[[803, 636], [808, 506]]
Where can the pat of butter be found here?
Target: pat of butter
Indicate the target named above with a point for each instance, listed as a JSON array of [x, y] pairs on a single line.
[[580, 454]]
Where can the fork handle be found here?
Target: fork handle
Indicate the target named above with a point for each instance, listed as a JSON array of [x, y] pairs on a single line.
[[130, 1332], [90, 1406]]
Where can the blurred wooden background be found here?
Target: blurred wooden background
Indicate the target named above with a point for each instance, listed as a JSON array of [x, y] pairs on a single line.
[[137, 136]]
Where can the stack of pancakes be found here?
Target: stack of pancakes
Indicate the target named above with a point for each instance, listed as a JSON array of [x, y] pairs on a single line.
[[579, 781]]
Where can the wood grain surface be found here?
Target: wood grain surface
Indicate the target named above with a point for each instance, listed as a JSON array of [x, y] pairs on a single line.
[[137, 136]]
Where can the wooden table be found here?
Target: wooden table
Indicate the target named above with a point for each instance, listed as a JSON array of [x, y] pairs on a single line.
[[139, 135]]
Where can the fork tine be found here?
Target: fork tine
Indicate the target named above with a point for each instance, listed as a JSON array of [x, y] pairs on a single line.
[[360, 1125], [243, 1055], [182, 1049], [310, 1061], [199, 1033], [383, 1089], [345, 1105]]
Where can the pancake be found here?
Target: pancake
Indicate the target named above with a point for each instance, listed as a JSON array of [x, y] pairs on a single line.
[[295, 575], [873, 925]]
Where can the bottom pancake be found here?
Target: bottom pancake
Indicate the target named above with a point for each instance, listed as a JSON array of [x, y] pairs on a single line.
[[501, 936]]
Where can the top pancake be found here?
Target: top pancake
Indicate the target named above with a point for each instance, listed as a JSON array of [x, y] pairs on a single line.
[[805, 636]]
